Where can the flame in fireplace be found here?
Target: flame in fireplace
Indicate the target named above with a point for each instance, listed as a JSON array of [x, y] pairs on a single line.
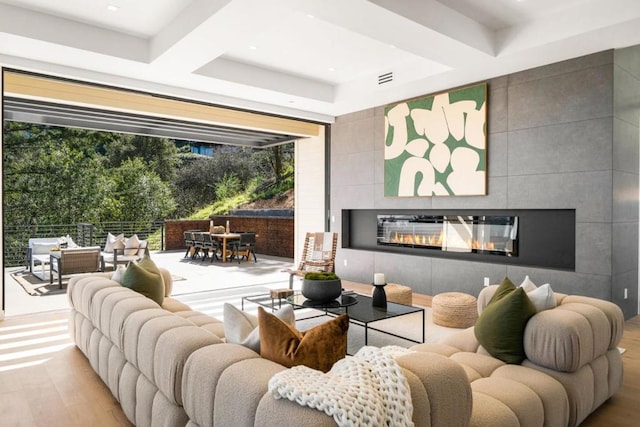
[[418, 239], [485, 246], [437, 240]]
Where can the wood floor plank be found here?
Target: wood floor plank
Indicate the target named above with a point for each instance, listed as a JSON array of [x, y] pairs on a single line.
[[63, 389]]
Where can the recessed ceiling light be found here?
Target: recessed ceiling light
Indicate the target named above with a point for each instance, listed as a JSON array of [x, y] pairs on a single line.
[[331, 69], [310, 16], [112, 8], [252, 47]]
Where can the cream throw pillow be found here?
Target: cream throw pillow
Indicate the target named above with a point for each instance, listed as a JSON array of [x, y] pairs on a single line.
[[241, 327], [543, 297], [131, 245], [117, 274], [528, 285], [111, 239]]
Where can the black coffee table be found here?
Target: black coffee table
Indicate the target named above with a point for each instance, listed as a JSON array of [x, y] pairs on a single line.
[[361, 312]]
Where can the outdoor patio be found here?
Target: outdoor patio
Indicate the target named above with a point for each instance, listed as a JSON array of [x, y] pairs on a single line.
[[194, 281]]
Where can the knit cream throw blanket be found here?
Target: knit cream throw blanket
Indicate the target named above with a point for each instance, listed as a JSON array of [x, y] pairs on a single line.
[[368, 389]]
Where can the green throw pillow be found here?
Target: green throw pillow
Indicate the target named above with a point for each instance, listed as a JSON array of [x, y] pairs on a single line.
[[500, 327], [145, 277], [504, 289]]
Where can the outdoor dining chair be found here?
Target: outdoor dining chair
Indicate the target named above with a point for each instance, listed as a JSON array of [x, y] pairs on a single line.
[[245, 246], [209, 245], [198, 241], [188, 242]]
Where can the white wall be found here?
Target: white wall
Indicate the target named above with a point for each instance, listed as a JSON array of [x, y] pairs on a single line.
[[309, 189]]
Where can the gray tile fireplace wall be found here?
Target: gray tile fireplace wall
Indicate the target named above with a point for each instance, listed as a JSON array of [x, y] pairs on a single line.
[[562, 136]]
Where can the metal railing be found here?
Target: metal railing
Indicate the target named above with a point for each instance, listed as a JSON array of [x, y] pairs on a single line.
[[16, 238]]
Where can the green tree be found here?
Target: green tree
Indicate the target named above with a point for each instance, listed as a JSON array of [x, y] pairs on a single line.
[[51, 174], [139, 194], [160, 155]]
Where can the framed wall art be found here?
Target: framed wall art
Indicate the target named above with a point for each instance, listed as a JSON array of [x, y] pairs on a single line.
[[437, 145]]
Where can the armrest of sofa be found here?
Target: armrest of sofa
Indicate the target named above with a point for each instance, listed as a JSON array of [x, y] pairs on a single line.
[[573, 334], [434, 379]]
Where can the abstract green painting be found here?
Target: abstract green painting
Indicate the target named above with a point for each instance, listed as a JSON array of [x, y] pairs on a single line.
[[437, 145]]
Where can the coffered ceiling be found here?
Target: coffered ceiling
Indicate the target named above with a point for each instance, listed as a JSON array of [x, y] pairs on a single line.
[[312, 59]]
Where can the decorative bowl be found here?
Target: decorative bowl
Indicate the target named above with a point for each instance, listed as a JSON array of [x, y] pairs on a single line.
[[321, 290]]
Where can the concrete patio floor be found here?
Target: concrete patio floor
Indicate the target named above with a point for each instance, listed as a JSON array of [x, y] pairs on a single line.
[[191, 277]]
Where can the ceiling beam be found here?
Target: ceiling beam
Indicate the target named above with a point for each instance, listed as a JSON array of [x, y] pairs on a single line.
[[54, 30], [35, 87]]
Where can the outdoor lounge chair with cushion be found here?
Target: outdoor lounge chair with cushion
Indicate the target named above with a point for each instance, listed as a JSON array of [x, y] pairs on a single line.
[[75, 261], [125, 255], [318, 254]]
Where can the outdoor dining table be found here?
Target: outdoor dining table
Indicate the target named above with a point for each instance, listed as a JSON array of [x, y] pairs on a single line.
[[224, 237]]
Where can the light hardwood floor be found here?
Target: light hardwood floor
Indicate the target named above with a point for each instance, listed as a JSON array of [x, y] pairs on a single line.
[[46, 381]]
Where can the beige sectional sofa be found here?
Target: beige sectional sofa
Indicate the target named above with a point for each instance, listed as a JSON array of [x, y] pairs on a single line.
[[572, 365], [170, 366]]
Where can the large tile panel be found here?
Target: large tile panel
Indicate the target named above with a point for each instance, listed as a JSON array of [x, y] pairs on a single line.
[[628, 59], [568, 147], [593, 248], [587, 192], [626, 152], [497, 117], [626, 96], [359, 265], [498, 147], [495, 199], [463, 276], [625, 197], [580, 95], [409, 270], [628, 281], [563, 67], [624, 248], [352, 196], [353, 169]]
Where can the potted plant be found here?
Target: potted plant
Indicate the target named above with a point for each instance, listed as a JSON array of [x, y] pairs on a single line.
[[321, 286]]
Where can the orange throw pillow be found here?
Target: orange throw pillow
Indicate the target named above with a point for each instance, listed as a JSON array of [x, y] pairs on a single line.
[[318, 348]]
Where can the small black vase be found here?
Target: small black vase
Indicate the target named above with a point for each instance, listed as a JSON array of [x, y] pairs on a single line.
[[379, 297]]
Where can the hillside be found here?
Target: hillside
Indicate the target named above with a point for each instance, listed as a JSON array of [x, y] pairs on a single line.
[[281, 201]]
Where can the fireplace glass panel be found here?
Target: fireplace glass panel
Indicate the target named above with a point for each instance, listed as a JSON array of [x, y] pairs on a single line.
[[452, 233]]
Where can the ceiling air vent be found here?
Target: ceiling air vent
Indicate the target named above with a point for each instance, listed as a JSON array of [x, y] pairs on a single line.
[[385, 78]]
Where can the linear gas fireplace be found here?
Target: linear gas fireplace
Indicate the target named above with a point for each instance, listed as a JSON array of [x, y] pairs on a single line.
[[530, 237], [490, 234]]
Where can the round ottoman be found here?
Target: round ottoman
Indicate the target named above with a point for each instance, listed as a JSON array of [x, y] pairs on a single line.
[[399, 294], [454, 310]]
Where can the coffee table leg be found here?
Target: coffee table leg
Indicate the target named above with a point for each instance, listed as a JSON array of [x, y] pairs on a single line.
[[366, 334]]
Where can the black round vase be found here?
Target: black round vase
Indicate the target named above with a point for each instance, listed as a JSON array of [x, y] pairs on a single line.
[[321, 290], [379, 296]]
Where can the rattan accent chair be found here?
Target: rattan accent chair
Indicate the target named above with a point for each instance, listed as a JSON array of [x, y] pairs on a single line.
[[318, 254]]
